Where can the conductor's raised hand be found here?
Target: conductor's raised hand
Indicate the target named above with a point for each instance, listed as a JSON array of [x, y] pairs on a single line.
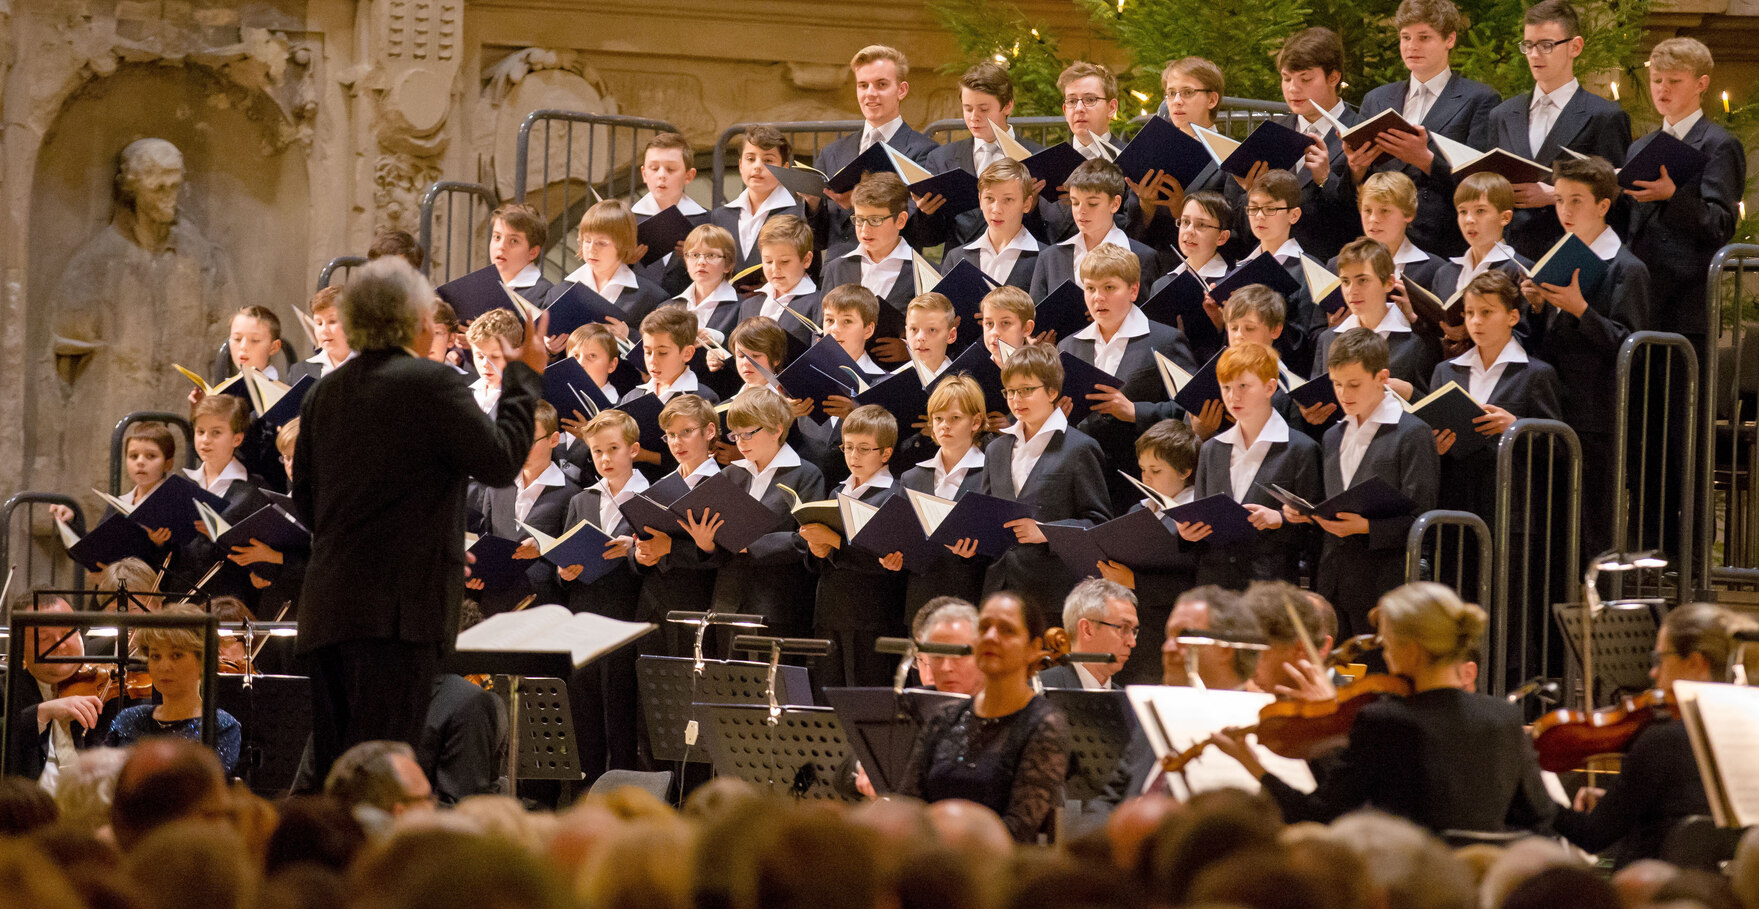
[[532, 350]]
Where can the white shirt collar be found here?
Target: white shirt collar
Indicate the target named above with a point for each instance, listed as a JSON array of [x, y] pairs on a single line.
[[1276, 429], [1055, 423], [1100, 147], [703, 471], [527, 276], [1559, 96], [648, 206], [1023, 241], [779, 197], [1291, 247], [722, 293], [887, 129], [760, 479], [867, 365], [636, 483], [1386, 413], [900, 253], [322, 358], [881, 480], [234, 470], [1323, 124], [973, 458], [1432, 88], [552, 476], [1135, 326], [801, 289], [1512, 352], [1394, 320], [1679, 130], [1607, 245], [1498, 253], [1115, 236], [1088, 682], [623, 278], [685, 384], [1216, 267], [1408, 252]]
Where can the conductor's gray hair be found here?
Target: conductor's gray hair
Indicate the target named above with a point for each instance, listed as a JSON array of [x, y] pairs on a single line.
[[383, 304], [1088, 601]]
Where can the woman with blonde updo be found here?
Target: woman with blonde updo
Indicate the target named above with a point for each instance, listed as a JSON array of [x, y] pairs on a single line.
[[1445, 757]]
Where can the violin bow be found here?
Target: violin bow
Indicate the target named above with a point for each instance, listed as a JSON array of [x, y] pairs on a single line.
[[265, 641], [1301, 630]]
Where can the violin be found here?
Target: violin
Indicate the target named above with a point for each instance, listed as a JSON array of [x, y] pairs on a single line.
[[1303, 730], [90, 680], [1572, 739]]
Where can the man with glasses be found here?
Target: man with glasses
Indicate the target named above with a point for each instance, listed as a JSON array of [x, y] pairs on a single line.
[[1100, 616], [1556, 115]]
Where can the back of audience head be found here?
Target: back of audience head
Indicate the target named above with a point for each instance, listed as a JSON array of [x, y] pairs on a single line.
[[314, 830], [1563, 887], [189, 863], [85, 790], [1409, 868], [380, 775], [425, 868], [1212, 826], [166, 780]]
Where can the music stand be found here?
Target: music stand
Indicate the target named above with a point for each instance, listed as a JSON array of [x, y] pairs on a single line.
[[1100, 726], [1623, 639], [274, 717], [534, 688], [797, 751], [672, 691], [882, 726]]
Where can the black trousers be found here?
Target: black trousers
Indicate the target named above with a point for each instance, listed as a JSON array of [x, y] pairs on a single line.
[[368, 690]]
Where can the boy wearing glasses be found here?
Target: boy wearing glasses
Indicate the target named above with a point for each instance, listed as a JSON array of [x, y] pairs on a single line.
[[1193, 89], [1043, 461], [881, 261], [673, 576], [858, 600], [1434, 100], [1557, 114]]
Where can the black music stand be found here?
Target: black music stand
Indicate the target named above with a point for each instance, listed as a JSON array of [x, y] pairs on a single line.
[[1100, 726], [274, 717], [672, 693], [535, 689], [795, 751], [1623, 639], [882, 725]]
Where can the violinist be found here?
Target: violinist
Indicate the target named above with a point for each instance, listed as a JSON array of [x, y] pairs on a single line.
[[1270, 602], [1658, 781], [1007, 747], [59, 709], [1445, 758]]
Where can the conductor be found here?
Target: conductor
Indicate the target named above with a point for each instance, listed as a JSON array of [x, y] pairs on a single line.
[[386, 445]]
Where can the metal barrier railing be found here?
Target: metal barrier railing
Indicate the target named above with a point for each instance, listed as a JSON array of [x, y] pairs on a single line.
[[27, 578], [147, 416], [820, 132], [343, 264], [1729, 425], [442, 265], [1046, 131], [617, 156], [1234, 117], [1452, 571], [1662, 488], [1528, 456]]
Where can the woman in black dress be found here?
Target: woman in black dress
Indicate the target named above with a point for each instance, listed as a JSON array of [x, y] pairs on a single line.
[[1007, 747], [1446, 758]]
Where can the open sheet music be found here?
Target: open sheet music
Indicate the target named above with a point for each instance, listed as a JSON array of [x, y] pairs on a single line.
[[1723, 724], [585, 636], [1174, 718]]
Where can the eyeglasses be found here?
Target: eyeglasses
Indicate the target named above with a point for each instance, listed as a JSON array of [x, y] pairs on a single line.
[[1187, 94], [1084, 103], [1127, 631], [704, 257], [871, 220], [860, 451], [735, 436], [1544, 47], [1014, 394], [681, 436], [1188, 224], [1258, 211]]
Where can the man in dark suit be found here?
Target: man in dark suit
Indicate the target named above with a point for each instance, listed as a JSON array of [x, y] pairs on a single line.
[[880, 87], [1556, 115], [1438, 102], [386, 445], [1100, 616]]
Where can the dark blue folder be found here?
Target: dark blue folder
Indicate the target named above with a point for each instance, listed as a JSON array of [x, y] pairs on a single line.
[[1451, 407], [646, 411], [965, 285], [1063, 310], [173, 505], [643, 512], [1080, 379], [1372, 498], [874, 159], [477, 293], [585, 546], [1076, 546], [1180, 304], [980, 517], [895, 528], [1278, 146], [957, 186], [114, 539], [1164, 147], [1229, 521], [744, 518], [1203, 387], [270, 525], [901, 393], [1260, 269], [580, 305], [1141, 540], [975, 362], [496, 568], [283, 411], [1053, 166], [570, 390], [1566, 257], [1684, 163], [661, 234]]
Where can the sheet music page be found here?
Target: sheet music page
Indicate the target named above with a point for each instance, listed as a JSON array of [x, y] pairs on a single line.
[[552, 629], [1188, 716], [1728, 716]]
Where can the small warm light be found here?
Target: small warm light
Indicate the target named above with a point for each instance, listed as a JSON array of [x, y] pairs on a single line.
[[1743, 209], [1035, 33], [1343, 85], [1001, 58], [1725, 102], [1615, 89], [1120, 7], [283, 632], [103, 632], [1016, 51], [1144, 112], [1140, 95]]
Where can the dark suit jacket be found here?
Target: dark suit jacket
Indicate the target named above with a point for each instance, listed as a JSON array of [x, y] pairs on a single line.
[[303, 368], [1462, 114], [1354, 571], [1328, 215], [462, 740], [1273, 555], [1445, 759], [948, 575], [386, 445], [1142, 382], [1066, 484], [1527, 390], [1019, 276], [682, 579], [1657, 786], [770, 578], [1585, 349], [1589, 124], [854, 590], [1056, 264], [26, 748], [1677, 238], [727, 216], [547, 515], [1063, 677], [1413, 358], [926, 231], [844, 270], [839, 231], [615, 594]]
